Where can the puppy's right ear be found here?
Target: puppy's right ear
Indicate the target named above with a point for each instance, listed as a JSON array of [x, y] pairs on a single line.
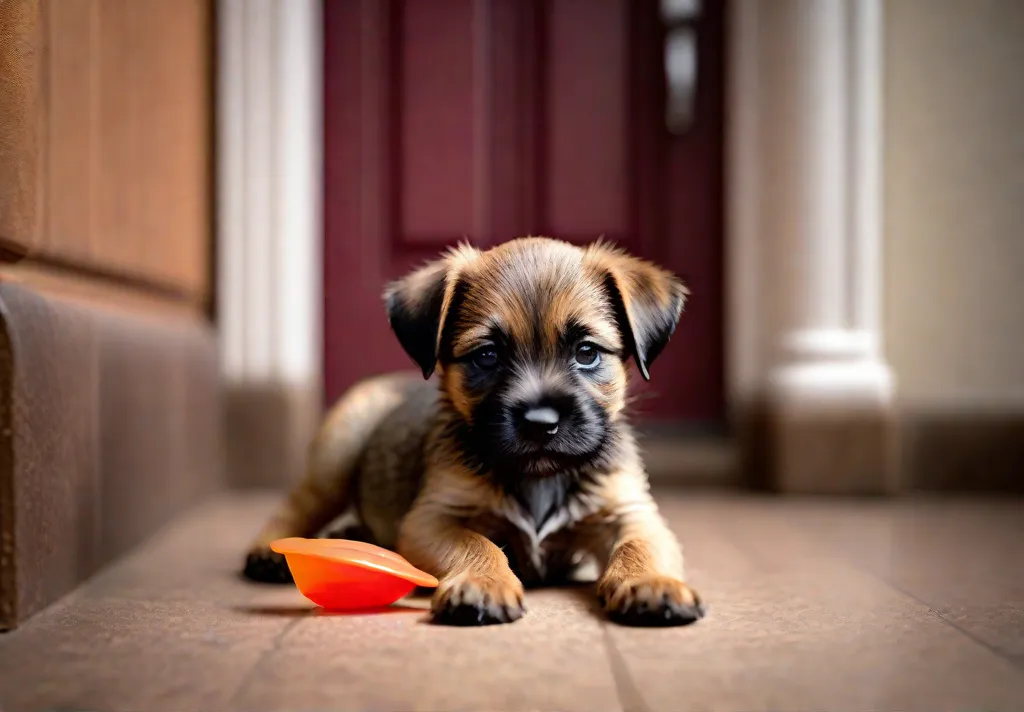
[[418, 304], [414, 305]]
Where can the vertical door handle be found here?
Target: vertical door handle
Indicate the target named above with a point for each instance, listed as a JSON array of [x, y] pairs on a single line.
[[680, 58]]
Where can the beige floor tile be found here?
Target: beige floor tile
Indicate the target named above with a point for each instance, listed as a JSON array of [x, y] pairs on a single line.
[[793, 626], [962, 558], [553, 659], [123, 656], [197, 558]]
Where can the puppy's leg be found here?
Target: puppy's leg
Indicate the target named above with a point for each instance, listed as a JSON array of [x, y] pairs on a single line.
[[353, 532], [643, 583], [323, 492], [306, 510], [477, 587]]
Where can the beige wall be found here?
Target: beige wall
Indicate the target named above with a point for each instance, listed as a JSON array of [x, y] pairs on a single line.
[[954, 216]]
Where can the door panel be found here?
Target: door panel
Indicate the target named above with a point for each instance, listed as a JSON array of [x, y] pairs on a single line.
[[586, 120], [436, 112], [489, 119]]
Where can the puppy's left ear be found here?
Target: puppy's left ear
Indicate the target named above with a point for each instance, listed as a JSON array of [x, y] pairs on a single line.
[[648, 302], [418, 305]]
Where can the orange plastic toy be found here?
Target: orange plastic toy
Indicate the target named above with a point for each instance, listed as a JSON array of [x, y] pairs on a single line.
[[339, 574]]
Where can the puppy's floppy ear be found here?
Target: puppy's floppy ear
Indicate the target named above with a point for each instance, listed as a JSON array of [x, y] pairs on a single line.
[[418, 305], [648, 302]]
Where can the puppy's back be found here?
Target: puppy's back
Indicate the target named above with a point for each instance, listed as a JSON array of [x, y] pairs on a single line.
[[390, 470]]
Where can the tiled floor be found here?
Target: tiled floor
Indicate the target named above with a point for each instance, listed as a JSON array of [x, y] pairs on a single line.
[[814, 605]]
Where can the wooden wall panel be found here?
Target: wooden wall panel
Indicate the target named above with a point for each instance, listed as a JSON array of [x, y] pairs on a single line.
[[123, 138], [71, 123], [109, 398], [21, 40], [152, 139]]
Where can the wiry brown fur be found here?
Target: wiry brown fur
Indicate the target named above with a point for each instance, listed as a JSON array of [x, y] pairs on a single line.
[[395, 447]]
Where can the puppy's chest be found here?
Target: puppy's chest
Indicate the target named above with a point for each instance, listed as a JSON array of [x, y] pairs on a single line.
[[542, 529]]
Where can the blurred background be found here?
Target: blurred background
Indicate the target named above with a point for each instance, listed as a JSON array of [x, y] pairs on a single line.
[[201, 201]]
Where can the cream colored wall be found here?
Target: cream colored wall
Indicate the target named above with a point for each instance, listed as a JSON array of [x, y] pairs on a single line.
[[954, 200]]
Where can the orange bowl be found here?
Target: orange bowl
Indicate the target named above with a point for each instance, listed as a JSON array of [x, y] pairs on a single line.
[[339, 574]]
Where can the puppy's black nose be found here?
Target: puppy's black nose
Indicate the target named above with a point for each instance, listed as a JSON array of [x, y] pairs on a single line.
[[539, 423]]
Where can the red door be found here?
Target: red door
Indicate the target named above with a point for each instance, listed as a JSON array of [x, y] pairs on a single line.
[[491, 119]]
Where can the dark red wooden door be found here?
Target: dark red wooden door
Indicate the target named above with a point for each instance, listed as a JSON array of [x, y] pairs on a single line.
[[491, 119]]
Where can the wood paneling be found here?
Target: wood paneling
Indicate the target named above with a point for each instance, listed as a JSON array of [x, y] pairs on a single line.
[[21, 38], [118, 122], [109, 397]]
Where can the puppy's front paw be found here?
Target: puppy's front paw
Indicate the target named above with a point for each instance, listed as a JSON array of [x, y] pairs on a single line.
[[650, 601], [476, 599], [266, 566]]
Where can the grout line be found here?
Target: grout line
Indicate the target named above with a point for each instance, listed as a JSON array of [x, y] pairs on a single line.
[[1015, 660], [275, 646], [630, 698]]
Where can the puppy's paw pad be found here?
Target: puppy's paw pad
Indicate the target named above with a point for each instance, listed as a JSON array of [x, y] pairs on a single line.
[[464, 615], [475, 601], [652, 601], [266, 566]]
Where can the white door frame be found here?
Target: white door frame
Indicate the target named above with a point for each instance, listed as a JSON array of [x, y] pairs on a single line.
[[269, 184]]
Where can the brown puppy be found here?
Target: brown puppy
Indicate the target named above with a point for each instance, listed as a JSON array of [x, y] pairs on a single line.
[[517, 466]]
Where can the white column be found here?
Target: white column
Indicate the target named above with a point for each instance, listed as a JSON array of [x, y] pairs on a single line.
[[820, 182], [866, 144], [269, 190], [299, 232]]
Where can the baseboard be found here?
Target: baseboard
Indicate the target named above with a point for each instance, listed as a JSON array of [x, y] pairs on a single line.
[[963, 449], [111, 425], [824, 451], [268, 428], [911, 447], [690, 457]]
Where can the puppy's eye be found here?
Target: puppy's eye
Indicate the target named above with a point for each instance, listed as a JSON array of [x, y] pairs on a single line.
[[486, 359], [587, 356]]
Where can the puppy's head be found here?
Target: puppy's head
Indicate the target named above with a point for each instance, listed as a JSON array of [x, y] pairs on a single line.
[[531, 339]]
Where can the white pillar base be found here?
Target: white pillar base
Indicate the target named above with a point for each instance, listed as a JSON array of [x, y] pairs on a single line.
[[809, 374], [825, 370], [831, 425], [825, 387]]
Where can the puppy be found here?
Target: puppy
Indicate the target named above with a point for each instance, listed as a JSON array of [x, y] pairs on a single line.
[[515, 465]]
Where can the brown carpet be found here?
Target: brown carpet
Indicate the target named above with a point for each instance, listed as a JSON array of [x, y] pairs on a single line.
[[814, 605]]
